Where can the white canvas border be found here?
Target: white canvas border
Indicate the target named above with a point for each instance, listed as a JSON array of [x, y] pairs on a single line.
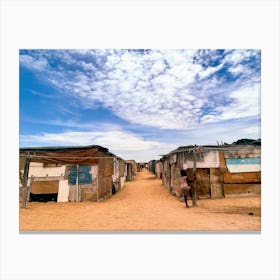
[[156, 24]]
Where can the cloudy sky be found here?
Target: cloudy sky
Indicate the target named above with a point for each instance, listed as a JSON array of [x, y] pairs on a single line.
[[138, 103]]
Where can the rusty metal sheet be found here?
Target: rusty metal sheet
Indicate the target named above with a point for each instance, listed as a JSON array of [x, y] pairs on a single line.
[[232, 190], [44, 187], [222, 159], [244, 177], [216, 182], [121, 168], [176, 180], [202, 181], [105, 166], [105, 188], [85, 157]]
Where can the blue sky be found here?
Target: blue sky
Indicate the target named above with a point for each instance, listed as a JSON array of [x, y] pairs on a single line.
[[138, 103]]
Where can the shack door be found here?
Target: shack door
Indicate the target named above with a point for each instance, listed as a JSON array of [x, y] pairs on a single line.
[[84, 181], [105, 182], [203, 182]]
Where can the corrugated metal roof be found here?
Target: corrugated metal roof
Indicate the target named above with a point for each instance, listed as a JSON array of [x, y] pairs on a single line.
[[226, 147], [66, 154], [61, 148]]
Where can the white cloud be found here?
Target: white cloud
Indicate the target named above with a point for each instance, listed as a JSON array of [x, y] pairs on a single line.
[[252, 132], [238, 56], [161, 88], [119, 142], [237, 69], [209, 70], [246, 103], [33, 63]]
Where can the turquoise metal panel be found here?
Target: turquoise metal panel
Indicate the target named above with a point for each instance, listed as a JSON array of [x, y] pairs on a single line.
[[231, 161], [84, 175]]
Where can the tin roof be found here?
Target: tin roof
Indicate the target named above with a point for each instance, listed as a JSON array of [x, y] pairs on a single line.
[[61, 148], [225, 147], [83, 155]]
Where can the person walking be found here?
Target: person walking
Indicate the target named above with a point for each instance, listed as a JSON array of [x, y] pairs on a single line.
[[185, 188]]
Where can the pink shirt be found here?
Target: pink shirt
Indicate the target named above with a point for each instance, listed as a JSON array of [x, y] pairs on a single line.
[[184, 183]]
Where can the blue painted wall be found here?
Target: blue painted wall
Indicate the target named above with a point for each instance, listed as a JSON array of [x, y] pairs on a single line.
[[84, 175]]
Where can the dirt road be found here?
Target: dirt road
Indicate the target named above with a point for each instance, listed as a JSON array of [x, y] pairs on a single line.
[[144, 204]]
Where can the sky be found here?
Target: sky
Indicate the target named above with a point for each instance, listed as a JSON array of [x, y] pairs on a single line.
[[140, 104]]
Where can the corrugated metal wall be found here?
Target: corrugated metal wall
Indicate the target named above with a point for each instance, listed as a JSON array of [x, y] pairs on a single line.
[[105, 172]]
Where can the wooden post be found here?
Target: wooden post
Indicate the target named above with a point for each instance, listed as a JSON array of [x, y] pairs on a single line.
[[29, 187], [194, 175], [25, 180], [77, 183]]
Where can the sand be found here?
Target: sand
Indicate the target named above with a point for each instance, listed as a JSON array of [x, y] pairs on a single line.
[[143, 205]]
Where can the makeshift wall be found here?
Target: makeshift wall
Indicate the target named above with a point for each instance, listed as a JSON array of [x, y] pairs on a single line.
[[122, 172], [215, 178], [46, 178], [88, 179], [216, 182], [175, 187], [166, 174], [206, 159], [38, 169], [129, 172], [105, 172], [96, 168], [158, 169], [44, 187], [233, 190], [118, 174], [243, 171], [63, 191]]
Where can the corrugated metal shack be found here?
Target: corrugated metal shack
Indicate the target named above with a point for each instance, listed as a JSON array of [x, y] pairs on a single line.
[[130, 169], [140, 166], [152, 166], [158, 169], [70, 173], [215, 171]]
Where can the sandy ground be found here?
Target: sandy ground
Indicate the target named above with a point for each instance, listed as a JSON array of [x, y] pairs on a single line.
[[144, 204]]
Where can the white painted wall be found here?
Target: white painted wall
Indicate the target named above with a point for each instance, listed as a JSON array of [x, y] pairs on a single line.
[[235, 168], [94, 170], [122, 182], [36, 169], [211, 160], [116, 175], [63, 191]]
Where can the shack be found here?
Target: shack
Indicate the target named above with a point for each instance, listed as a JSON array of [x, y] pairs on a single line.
[[158, 169], [215, 171], [152, 166], [70, 173], [130, 169]]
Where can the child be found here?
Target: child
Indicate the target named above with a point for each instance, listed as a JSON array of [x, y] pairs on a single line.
[[184, 186]]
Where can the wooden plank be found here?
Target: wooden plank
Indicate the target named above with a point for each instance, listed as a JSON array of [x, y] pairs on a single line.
[[216, 182], [176, 177], [49, 178], [244, 177], [44, 187], [232, 190], [83, 156], [203, 182], [222, 159]]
